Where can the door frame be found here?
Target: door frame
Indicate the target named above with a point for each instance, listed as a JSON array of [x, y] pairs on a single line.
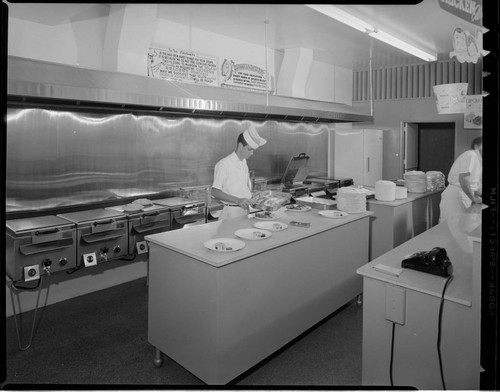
[[403, 140]]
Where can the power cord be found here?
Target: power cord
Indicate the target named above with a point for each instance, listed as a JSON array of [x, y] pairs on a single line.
[[438, 338], [392, 353], [39, 286], [439, 329]]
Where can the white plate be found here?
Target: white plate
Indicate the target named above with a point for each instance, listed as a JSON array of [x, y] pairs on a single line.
[[333, 213], [224, 244], [271, 225], [253, 234], [268, 215], [298, 208]]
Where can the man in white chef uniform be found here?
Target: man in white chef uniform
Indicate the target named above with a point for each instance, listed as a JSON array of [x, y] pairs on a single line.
[[464, 182], [231, 183]]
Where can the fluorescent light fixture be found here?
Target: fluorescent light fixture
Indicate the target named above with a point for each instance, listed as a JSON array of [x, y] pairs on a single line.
[[350, 20], [342, 16], [397, 43]]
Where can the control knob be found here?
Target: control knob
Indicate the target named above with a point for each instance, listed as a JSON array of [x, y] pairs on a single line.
[[63, 261], [117, 249], [105, 249], [47, 262]]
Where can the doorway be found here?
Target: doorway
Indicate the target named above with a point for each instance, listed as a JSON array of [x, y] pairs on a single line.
[[429, 147]]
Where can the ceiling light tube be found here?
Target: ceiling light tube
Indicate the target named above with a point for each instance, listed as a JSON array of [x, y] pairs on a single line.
[[397, 43], [350, 20], [342, 16]]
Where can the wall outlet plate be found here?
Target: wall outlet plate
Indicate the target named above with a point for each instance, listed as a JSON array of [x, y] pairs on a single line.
[[141, 247], [89, 259], [31, 272], [395, 304]]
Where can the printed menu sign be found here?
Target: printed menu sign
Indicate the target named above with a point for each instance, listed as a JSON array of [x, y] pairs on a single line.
[[450, 97], [473, 116], [244, 77], [183, 66]]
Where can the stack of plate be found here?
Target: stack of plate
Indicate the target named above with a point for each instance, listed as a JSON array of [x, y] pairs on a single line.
[[385, 190], [416, 181], [351, 200], [401, 192]]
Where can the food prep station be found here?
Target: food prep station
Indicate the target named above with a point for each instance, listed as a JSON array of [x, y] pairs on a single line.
[[40, 246]]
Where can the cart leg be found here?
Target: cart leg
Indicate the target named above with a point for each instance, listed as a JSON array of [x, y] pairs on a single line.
[[359, 300], [158, 361]]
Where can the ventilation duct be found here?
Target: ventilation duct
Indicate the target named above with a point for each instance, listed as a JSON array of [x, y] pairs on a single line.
[[33, 82]]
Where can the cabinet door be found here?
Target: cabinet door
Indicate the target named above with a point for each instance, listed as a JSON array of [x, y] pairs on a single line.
[[373, 156], [349, 155]]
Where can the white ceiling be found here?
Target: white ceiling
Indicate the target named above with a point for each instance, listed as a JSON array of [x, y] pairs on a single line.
[[425, 25]]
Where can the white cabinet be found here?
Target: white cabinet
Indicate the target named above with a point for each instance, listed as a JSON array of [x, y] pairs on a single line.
[[358, 155]]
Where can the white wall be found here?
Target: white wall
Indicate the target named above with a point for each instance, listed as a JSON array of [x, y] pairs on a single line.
[[121, 40], [78, 43]]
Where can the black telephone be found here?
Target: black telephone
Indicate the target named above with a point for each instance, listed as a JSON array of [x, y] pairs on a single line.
[[434, 261]]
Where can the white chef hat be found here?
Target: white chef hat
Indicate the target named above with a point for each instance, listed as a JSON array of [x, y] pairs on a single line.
[[252, 137]]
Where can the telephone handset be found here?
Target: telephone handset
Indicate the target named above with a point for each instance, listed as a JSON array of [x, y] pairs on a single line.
[[434, 261]]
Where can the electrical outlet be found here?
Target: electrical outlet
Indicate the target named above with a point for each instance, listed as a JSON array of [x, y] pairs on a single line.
[[395, 304], [89, 259], [31, 272], [142, 247]]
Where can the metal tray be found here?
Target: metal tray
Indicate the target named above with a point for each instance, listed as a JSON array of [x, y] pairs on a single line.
[[316, 202]]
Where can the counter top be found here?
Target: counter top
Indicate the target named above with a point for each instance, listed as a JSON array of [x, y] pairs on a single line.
[[456, 236], [411, 197], [189, 240]]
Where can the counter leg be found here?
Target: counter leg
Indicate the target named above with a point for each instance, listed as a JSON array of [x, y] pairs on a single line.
[[158, 361]]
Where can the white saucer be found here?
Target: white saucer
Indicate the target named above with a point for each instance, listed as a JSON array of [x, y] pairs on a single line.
[[271, 225], [224, 244], [253, 234], [333, 213]]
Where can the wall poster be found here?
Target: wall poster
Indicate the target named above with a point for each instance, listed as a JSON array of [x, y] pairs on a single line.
[[450, 97], [244, 77], [181, 65], [467, 47], [473, 116]]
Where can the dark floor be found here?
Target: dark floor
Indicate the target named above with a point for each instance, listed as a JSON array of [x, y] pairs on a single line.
[[101, 339]]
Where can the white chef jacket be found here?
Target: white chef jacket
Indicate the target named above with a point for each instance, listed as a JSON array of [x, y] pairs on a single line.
[[453, 199], [232, 177]]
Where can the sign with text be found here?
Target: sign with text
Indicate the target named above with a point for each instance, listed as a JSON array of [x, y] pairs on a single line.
[[450, 97], [244, 77], [473, 116], [469, 10], [183, 66]]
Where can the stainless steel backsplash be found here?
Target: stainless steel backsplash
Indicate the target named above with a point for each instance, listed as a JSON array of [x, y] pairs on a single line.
[[62, 158]]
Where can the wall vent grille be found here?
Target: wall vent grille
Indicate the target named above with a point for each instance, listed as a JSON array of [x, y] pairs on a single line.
[[415, 80]]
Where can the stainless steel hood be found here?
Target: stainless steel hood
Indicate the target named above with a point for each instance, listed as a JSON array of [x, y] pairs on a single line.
[[45, 84]]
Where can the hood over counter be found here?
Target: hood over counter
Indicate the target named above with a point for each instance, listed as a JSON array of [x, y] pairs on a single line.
[[52, 85]]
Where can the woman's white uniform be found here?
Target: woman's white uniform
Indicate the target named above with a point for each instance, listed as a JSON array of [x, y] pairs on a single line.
[[231, 176], [453, 199]]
